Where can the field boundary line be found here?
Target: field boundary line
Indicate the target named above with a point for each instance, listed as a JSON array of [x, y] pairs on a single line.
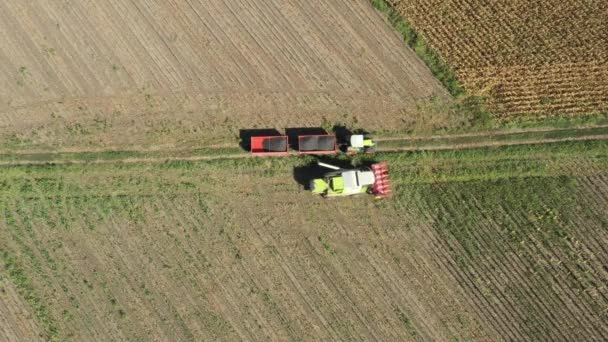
[[493, 133], [493, 144], [378, 137]]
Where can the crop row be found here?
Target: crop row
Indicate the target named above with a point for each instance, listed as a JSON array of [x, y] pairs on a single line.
[[531, 259], [519, 54]]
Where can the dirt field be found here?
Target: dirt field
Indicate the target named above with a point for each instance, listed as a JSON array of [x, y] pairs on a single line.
[[187, 250], [205, 266], [126, 73], [529, 56]]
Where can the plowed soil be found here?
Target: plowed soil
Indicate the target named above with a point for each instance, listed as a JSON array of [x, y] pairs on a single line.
[[163, 72]]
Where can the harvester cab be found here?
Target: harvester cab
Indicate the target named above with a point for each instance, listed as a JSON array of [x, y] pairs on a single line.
[[348, 182], [360, 143]]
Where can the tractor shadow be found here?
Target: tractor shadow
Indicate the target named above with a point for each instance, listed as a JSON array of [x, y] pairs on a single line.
[[245, 136], [294, 133], [304, 174]]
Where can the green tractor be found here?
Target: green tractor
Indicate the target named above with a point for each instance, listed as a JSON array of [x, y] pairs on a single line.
[[359, 143], [347, 182]]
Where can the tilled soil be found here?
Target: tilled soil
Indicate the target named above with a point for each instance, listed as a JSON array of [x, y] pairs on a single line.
[[164, 72]]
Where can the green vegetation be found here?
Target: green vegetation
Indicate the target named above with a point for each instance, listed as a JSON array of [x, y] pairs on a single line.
[[498, 138], [117, 178], [386, 143], [406, 322], [23, 71]]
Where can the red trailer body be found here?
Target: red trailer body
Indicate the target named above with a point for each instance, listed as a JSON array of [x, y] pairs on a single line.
[[270, 145], [317, 144]]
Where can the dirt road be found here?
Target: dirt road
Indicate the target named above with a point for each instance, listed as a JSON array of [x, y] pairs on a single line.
[[387, 144]]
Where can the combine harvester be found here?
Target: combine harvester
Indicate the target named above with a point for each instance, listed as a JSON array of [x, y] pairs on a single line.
[[348, 182]]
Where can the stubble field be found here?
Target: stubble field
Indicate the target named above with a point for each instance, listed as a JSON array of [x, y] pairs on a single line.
[[164, 73], [527, 56]]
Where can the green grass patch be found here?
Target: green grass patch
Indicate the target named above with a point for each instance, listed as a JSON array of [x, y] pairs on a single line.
[[113, 180], [546, 203], [496, 138]]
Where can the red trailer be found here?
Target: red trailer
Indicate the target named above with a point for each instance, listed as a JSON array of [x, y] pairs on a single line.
[[270, 145], [317, 144]]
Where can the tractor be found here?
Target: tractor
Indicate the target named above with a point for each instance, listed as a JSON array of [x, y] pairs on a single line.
[[347, 182], [358, 143]]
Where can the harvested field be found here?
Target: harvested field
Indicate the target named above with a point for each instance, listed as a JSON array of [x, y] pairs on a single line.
[[130, 73], [528, 56], [187, 250]]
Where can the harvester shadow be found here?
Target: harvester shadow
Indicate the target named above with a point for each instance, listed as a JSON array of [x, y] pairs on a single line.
[[294, 133], [245, 136]]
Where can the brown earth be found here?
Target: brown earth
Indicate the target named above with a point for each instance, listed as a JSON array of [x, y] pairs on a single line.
[[272, 265], [168, 72], [529, 56]]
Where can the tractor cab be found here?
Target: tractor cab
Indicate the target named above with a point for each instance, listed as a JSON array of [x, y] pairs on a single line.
[[360, 143]]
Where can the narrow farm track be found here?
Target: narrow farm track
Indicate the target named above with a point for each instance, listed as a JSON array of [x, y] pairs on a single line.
[[395, 144]]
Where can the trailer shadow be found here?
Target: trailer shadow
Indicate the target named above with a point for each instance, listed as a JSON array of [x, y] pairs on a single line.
[[245, 136]]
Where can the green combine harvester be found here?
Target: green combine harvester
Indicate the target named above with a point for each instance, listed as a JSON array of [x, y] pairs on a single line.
[[348, 182]]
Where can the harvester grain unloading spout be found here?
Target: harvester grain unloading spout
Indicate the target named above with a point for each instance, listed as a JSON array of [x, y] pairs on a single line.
[[348, 182], [329, 166]]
